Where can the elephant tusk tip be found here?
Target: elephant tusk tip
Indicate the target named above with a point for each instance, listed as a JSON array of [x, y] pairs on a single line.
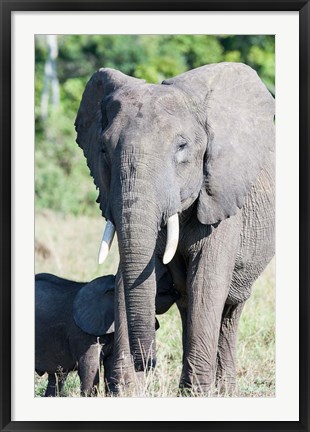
[[103, 252], [106, 241], [172, 238], [166, 259], [169, 254]]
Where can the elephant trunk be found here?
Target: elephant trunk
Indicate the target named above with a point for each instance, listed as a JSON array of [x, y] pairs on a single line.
[[142, 207], [137, 242]]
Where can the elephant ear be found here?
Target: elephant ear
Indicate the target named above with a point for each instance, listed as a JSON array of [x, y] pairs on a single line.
[[93, 306], [237, 112], [92, 119]]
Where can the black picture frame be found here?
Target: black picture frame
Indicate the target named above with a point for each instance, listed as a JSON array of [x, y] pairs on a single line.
[[7, 7]]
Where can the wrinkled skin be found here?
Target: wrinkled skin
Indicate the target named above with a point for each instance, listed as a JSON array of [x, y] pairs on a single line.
[[200, 145], [74, 328]]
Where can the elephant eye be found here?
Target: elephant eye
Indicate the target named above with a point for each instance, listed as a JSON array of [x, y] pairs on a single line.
[[182, 145], [104, 153], [181, 153], [103, 146]]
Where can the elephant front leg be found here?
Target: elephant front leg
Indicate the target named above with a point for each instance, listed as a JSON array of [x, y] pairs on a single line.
[[51, 390], [226, 354], [210, 267], [55, 383], [203, 326], [88, 370]]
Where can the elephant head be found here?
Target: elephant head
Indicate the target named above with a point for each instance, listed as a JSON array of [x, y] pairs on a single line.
[[195, 141]]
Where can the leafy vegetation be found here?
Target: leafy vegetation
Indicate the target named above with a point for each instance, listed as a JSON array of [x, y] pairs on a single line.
[[62, 177]]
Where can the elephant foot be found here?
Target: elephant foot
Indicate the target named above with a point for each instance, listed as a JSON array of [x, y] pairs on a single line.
[[55, 384], [225, 386], [222, 387], [193, 388], [51, 392], [93, 392], [126, 383]]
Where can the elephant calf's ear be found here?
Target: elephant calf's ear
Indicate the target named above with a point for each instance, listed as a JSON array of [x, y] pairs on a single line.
[[239, 123], [93, 307]]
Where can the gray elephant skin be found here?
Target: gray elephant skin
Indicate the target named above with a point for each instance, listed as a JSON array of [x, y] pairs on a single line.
[[195, 154], [74, 328]]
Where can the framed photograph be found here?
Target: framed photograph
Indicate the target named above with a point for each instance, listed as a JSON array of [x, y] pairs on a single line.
[[52, 224]]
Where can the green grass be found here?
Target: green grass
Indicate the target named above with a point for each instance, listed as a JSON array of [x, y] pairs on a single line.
[[68, 247]]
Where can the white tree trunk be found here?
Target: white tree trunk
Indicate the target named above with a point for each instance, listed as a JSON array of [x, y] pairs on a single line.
[[51, 84]]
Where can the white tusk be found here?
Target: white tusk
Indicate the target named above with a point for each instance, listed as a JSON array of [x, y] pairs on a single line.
[[172, 238], [106, 241]]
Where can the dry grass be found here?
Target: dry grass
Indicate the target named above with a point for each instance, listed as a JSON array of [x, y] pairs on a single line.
[[68, 247], [71, 246]]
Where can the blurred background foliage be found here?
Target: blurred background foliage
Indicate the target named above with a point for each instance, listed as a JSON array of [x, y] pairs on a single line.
[[62, 181]]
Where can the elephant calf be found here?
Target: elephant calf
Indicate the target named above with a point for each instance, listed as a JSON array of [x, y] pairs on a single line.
[[74, 328]]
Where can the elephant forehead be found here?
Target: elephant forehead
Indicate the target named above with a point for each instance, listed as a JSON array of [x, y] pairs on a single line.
[[152, 102]]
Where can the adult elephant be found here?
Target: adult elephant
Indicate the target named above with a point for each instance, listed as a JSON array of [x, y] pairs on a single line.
[[189, 162]]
